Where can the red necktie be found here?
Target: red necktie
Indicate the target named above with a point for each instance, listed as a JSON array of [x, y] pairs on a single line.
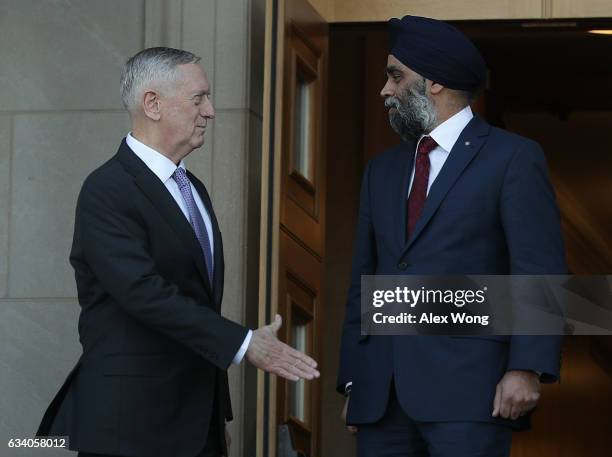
[[418, 192]]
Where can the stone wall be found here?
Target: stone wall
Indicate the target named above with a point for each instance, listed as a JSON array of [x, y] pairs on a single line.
[[60, 117]]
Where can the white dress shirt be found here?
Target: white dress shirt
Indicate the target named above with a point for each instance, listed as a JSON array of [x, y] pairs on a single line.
[[446, 135], [164, 168]]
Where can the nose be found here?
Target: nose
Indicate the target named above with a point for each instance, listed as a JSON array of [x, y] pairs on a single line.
[[387, 91], [208, 110]]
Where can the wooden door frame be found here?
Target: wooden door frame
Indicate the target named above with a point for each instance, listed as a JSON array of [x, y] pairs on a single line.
[[272, 205], [270, 215]]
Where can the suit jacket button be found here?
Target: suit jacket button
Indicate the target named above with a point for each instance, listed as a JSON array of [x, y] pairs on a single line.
[[402, 265]]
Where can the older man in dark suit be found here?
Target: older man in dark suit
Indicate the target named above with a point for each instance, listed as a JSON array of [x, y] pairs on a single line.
[[457, 196], [148, 259]]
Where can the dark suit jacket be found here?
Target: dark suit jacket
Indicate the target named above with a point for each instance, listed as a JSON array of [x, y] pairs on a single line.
[[490, 211], [155, 348]]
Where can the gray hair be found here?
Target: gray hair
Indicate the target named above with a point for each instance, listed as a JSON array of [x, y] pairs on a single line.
[[416, 113], [150, 66]]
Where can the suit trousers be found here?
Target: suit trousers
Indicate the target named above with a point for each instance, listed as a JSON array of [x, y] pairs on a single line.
[[397, 435], [213, 447]]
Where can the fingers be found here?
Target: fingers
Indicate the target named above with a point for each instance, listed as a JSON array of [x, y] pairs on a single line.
[[306, 369], [300, 357], [284, 373], [512, 406], [519, 408], [298, 360], [515, 411], [299, 368], [505, 407], [534, 398], [276, 325], [525, 404], [502, 402], [352, 429], [301, 372], [293, 369], [497, 401]]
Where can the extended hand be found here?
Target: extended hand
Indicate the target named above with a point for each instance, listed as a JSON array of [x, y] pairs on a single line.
[[270, 354], [351, 428], [517, 393]]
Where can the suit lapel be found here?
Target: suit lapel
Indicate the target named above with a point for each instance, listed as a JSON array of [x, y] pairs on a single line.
[[404, 165], [163, 201], [219, 266], [465, 149]]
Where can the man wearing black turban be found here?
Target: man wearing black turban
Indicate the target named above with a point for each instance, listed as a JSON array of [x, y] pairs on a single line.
[[457, 196]]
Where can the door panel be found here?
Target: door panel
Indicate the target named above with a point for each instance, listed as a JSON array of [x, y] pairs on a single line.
[[302, 212], [299, 301], [303, 124]]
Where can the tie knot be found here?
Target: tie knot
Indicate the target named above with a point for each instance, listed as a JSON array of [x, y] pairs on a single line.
[[180, 177], [426, 145]]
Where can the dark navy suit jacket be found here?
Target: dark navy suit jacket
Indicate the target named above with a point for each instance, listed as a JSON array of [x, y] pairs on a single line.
[[490, 211]]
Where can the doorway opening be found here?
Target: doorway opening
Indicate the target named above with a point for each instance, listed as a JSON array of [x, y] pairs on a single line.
[[551, 82]]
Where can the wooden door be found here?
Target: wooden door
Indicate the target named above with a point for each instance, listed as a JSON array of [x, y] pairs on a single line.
[[301, 243]]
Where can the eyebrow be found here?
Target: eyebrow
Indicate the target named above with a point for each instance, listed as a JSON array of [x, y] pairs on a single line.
[[391, 69], [201, 93]]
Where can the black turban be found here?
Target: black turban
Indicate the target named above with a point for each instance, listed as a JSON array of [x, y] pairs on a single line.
[[437, 51]]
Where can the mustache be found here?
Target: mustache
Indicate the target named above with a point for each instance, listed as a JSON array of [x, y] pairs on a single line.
[[392, 102]]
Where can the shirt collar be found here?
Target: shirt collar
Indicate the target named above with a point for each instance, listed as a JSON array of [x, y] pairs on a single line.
[[447, 133], [158, 163]]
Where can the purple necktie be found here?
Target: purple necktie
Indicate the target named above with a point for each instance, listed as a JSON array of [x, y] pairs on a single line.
[[195, 218]]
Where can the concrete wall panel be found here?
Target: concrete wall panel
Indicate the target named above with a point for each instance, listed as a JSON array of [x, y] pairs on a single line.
[[53, 153], [231, 51], [38, 348], [66, 55]]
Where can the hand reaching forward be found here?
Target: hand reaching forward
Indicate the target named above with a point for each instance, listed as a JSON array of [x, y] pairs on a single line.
[[517, 393], [270, 354]]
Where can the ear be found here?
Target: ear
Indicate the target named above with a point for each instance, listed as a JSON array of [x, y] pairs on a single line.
[[151, 105], [435, 88]]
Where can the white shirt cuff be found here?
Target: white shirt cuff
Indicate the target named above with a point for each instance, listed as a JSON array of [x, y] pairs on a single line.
[[243, 348]]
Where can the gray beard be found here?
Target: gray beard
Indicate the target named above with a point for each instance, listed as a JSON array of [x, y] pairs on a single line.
[[415, 113]]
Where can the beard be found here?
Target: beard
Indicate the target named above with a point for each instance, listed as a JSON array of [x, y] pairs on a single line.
[[415, 113]]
